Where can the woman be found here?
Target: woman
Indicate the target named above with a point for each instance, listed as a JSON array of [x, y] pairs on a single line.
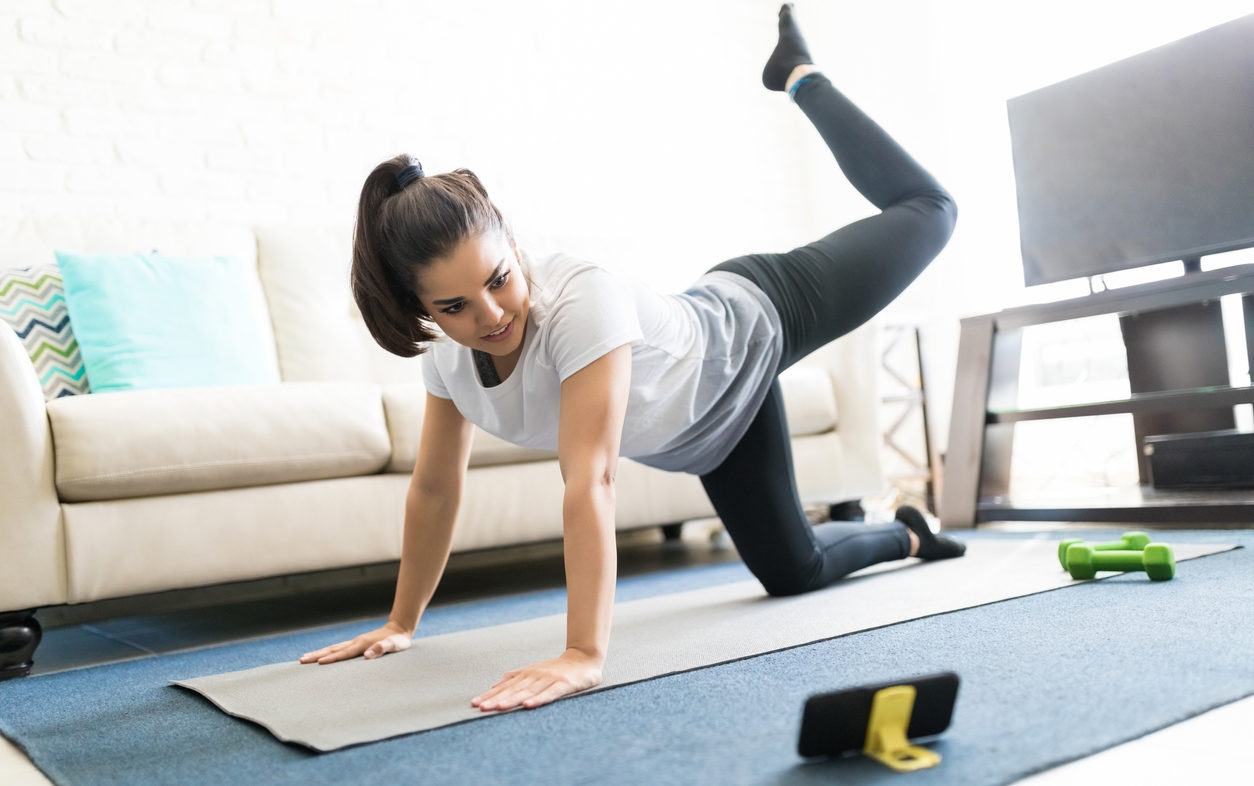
[[565, 356]]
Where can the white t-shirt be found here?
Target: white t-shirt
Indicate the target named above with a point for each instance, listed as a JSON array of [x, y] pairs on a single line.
[[701, 363]]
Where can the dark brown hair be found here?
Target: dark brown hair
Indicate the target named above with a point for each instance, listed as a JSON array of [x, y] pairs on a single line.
[[399, 231]]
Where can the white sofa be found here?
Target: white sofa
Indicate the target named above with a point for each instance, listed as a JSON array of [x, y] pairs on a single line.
[[118, 494]]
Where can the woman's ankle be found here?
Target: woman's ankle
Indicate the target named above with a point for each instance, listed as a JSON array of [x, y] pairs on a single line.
[[805, 69]]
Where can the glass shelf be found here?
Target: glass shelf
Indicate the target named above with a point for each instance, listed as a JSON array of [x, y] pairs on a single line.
[[1127, 505], [1163, 401]]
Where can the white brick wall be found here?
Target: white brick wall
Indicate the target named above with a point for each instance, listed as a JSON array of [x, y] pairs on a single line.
[[632, 132], [603, 128]]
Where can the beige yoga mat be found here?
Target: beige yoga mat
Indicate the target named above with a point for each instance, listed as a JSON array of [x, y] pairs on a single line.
[[431, 684]]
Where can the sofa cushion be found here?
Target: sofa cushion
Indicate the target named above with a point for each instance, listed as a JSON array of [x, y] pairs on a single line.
[[404, 404], [143, 443], [32, 301], [487, 450], [125, 547], [304, 272], [809, 400], [148, 320], [318, 331]]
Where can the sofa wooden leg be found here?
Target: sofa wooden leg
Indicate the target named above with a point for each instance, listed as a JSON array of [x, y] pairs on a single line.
[[19, 636], [672, 532]]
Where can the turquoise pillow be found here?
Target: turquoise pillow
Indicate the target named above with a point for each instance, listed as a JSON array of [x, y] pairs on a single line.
[[148, 321]]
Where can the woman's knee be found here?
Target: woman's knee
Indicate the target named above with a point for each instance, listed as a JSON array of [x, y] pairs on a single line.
[[939, 207], [918, 227], [782, 583]]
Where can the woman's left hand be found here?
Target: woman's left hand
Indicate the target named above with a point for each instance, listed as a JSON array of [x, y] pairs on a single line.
[[543, 682]]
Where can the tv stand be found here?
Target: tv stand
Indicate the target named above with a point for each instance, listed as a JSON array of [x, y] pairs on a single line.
[[985, 409]]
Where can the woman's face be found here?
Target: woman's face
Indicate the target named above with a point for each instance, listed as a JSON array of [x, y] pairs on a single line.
[[478, 296]]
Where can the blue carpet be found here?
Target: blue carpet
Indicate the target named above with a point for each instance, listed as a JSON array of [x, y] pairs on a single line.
[[1037, 673]]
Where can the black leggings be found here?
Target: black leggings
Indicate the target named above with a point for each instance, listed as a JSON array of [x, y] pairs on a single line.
[[822, 291]]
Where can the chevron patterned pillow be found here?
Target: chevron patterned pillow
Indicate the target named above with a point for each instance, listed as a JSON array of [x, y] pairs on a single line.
[[32, 301]]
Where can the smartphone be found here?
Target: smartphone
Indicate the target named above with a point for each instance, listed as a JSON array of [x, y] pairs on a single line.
[[835, 723]]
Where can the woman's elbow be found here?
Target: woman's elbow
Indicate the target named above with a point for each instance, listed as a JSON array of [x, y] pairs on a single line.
[[593, 481], [601, 479]]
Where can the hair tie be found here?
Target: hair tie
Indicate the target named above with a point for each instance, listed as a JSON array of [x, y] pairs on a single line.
[[408, 175]]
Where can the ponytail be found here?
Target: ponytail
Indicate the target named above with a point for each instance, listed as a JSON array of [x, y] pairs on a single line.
[[405, 221]]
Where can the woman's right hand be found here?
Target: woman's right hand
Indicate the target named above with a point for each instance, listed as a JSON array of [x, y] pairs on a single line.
[[390, 638]]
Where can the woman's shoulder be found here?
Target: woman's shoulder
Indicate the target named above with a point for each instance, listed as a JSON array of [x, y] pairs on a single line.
[[571, 295], [560, 279], [557, 269]]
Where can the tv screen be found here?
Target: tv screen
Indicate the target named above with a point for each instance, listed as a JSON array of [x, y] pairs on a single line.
[[1147, 160]]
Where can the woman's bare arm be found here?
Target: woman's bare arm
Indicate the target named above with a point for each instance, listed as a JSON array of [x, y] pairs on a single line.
[[431, 507], [593, 407]]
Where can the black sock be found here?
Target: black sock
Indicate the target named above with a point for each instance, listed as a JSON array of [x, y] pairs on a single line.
[[931, 545], [789, 53]]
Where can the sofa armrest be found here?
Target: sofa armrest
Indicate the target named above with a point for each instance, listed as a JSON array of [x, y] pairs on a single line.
[[852, 363], [32, 547]]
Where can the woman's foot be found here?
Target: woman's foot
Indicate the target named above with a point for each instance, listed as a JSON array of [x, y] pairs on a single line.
[[925, 544], [789, 53]]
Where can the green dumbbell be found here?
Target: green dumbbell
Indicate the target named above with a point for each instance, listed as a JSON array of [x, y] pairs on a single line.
[[1131, 541], [1083, 561]]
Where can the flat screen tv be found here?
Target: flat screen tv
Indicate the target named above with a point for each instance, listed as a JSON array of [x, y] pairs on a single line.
[[1147, 160]]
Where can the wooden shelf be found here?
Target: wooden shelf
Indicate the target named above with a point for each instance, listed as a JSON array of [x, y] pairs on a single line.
[[1174, 341]]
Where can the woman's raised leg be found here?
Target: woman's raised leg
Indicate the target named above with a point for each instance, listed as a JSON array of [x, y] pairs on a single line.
[[829, 287], [823, 290]]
